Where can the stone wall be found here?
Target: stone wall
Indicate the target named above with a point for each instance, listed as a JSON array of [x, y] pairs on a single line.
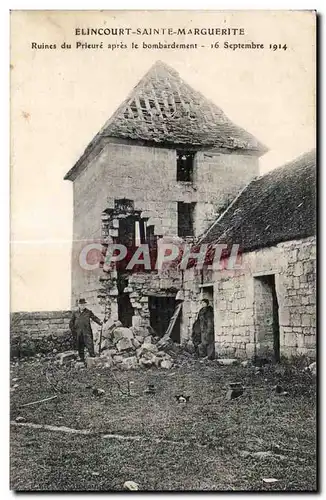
[[43, 331], [218, 178], [147, 175], [298, 290], [241, 304], [191, 304]]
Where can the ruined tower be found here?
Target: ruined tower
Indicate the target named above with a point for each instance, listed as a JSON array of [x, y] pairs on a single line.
[[166, 164]]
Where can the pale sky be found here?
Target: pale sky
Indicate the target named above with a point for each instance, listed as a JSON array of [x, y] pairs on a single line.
[[61, 98]]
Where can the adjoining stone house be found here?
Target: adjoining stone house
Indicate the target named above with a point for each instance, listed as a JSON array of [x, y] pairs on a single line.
[[166, 164], [268, 305]]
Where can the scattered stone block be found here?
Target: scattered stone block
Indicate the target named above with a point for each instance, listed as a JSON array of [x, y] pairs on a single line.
[[166, 364], [90, 362], [98, 392], [267, 454], [145, 349], [124, 344], [150, 389], [136, 322], [20, 419], [244, 453], [313, 368], [279, 390], [262, 454], [107, 361], [257, 370], [136, 343], [121, 332], [109, 352], [131, 485], [151, 331], [147, 363], [182, 399], [227, 361], [139, 331], [66, 357], [130, 363], [161, 354], [164, 343], [157, 361], [260, 361], [234, 393], [235, 385], [140, 339]]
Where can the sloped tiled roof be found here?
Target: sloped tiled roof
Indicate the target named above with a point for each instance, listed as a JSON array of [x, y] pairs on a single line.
[[278, 206], [164, 110]]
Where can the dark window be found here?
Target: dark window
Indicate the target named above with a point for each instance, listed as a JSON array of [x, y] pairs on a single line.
[[185, 166], [185, 219]]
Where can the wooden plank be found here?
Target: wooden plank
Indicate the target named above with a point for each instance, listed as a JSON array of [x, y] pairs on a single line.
[[173, 320]]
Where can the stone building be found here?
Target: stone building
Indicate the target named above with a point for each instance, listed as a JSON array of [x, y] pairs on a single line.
[[267, 305], [166, 164]]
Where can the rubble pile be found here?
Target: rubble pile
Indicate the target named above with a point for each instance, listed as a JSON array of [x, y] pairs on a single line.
[[130, 348]]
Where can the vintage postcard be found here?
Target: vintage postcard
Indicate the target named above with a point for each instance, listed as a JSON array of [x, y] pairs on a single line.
[[163, 251]]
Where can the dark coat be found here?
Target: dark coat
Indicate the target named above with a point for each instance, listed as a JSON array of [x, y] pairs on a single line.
[[80, 323], [196, 333], [206, 322]]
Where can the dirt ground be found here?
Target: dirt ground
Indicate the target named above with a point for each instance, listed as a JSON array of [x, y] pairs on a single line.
[[210, 443]]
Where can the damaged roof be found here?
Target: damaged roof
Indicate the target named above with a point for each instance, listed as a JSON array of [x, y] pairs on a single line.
[[163, 109], [278, 206]]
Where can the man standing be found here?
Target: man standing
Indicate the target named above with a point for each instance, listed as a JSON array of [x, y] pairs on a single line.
[[80, 326], [206, 324]]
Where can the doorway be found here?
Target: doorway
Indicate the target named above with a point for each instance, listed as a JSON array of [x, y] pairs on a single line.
[[267, 315], [161, 310]]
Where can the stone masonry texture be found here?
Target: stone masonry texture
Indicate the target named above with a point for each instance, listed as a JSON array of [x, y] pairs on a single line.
[[241, 315], [43, 331]]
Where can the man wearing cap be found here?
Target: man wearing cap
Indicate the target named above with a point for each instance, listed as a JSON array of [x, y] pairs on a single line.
[[80, 326]]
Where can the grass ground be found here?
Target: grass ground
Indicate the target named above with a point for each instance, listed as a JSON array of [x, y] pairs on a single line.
[[202, 445]]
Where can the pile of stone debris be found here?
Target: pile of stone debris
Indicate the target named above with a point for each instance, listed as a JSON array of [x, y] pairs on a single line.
[[134, 347]]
